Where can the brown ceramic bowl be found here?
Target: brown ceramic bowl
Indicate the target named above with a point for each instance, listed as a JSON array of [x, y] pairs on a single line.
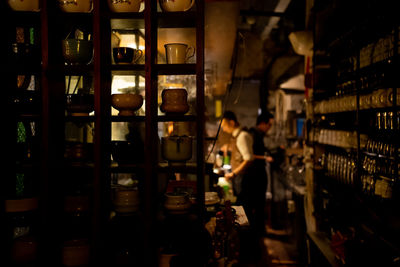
[[127, 104]]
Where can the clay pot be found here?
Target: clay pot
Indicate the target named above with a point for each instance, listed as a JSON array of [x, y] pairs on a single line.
[[126, 200], [127, 104], [76, 6], [176, 5], [176, 148], [174, 101], [177, 203], [24, 5], [24, 250], [119, 6]]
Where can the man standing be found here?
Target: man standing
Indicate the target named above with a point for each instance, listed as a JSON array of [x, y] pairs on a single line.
[[241, 147], [258, 185]]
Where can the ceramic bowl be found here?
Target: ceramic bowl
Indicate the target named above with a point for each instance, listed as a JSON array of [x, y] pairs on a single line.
[[176, 5], [79, 104], [77, 51], [26, 5], [120, 6], [76, 6], [176, 148], [127, 104], [127, 152]]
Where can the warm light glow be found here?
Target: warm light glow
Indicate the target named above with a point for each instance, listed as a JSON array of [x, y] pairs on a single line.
[[170, 128], [173, 85]]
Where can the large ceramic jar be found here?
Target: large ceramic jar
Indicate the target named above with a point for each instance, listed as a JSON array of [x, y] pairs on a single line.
[[126, 199], [174, 101]]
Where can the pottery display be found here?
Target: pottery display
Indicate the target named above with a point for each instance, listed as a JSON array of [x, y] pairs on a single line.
[[120, 6], [76, 51], [126, 55], [75, 253], [79, 104], [24, 5], [177, 203], [76, 6], [126, 199], [174, 101], [176, 5], [127, 104], [176, 149]]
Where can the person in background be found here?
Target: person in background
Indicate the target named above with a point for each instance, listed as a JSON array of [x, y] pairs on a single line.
[[258, 185], [241, 147]]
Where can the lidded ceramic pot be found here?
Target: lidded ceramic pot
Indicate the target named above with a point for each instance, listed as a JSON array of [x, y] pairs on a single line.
[[174, 101]]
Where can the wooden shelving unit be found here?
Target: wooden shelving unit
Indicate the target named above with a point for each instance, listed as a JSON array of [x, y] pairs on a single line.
[[95, 173]]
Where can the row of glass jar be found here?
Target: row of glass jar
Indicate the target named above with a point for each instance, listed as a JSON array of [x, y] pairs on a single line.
[[345, 139], [342, 167], [377, 99], [381, 50], [377, 165], [380, 147]]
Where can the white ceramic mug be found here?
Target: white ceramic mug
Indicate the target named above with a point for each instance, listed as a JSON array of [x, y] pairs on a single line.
[[176, 5], [178, 53]]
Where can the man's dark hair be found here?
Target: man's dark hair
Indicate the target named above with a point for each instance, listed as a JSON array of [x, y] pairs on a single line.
[[230, 115], [264, 117]]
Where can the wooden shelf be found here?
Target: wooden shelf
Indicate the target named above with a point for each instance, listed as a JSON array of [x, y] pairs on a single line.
[[176, 69], [177, 118], [128, 69], [128, 118], [79, 119], [177, 19], [188, 167], [126, 168]]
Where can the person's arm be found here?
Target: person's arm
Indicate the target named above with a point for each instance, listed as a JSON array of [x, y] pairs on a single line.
[[245, 146], [263, 157], [242, 166]]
